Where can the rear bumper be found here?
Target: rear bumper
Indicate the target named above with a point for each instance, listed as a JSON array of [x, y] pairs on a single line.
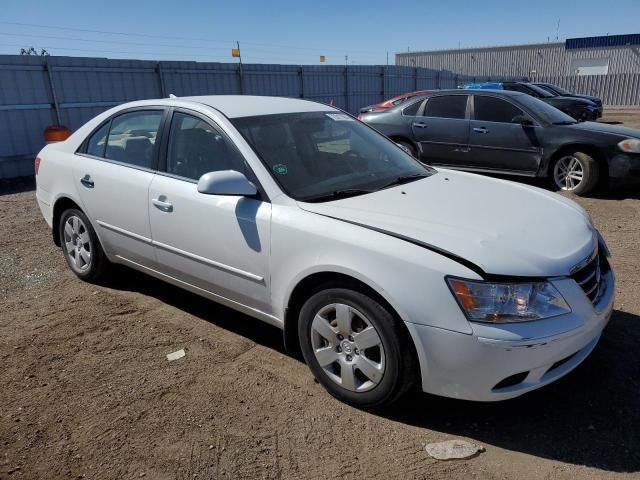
[[499, 362], [45, 204]]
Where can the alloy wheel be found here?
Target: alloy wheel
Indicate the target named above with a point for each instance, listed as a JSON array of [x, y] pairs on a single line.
[[77, 243], [347, 347], [568, 173]]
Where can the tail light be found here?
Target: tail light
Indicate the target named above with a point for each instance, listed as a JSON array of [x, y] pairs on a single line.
[[36, 164]]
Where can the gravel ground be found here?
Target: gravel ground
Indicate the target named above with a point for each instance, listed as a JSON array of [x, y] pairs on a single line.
[[88, 393]]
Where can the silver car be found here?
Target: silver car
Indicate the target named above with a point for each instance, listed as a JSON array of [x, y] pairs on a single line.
[[384, 272]]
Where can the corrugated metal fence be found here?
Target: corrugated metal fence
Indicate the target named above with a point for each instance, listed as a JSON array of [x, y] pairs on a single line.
[[39, 91]]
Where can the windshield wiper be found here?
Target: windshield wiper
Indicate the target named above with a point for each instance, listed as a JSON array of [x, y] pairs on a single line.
[[336, 195], [405, 179]]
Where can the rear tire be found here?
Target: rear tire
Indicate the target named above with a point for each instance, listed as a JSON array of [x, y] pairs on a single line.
[[575, 172], [81, 247], [409, 148], [367, 369]]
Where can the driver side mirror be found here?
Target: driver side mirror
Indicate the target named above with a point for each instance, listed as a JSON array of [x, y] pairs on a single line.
[[226, 182], [522, 120]]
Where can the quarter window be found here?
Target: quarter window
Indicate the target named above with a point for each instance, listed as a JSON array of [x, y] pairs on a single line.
[[196, 148], [412, 110], [446, 106], [132, 137], [491, 109], [98, 141]]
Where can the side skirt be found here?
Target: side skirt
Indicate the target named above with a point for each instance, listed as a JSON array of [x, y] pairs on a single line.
[[259, 314]]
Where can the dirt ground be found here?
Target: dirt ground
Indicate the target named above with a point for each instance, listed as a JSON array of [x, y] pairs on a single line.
[[86, 390]]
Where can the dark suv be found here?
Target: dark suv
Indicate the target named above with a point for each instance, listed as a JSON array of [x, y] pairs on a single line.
[[579, 108], [511, 133], [556, 90]]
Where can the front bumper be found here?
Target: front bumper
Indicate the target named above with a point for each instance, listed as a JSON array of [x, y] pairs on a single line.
[[624, 167], [497, 362]]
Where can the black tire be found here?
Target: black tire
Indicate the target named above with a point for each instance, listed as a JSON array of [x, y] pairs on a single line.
[[590, 173], [98, 264], [409, 147], [400, 366]]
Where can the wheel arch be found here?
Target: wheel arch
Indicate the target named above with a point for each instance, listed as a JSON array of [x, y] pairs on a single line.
[[587, 148], [404, 138], [61, 204], [320, 280]]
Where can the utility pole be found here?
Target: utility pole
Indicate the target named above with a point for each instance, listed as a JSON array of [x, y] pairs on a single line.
[[346, 59], [240, 68], [387, 58], [558, 30]]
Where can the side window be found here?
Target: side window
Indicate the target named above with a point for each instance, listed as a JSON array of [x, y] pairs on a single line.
[[98, 141], [132, 137], [412, 110], [196, 148], [446, 106], [491, 109]]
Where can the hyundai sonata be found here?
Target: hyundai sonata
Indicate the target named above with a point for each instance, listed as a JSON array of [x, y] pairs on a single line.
[[384, 272]]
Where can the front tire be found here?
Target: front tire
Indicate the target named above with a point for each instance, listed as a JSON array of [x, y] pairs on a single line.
[[81, 247], [355, 348], [575, 172]]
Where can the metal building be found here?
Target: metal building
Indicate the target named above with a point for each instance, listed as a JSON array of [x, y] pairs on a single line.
[[608, 55]]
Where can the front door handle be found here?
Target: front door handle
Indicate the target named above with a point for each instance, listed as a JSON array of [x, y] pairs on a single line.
[[481, 130], [86, 181], [419, 125], [161, 204]]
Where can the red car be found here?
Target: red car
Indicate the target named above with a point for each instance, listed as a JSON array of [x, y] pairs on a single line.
[[392, 102]]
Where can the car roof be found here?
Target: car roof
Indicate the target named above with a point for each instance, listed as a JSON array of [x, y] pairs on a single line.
[[234, 106], [467, 91]]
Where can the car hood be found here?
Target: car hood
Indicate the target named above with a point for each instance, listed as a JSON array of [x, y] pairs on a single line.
[[502, 227], [606, 128]]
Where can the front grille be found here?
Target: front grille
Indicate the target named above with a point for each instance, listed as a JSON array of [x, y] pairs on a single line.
[[588, 277]]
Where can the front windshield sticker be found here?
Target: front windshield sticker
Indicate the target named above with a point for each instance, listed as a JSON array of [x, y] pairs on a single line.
[[339, 117], [280, 169]]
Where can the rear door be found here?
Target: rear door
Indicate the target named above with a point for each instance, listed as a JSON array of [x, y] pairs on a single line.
[[443, 130], [113, 170], [498, 140]]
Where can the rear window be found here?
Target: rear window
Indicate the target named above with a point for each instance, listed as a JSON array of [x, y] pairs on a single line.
[[446, 106]]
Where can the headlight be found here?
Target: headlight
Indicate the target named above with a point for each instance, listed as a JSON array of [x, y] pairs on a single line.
[[630, 145], [507, 302]]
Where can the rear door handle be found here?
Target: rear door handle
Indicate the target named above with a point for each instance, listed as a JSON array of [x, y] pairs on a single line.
[[86, 181], [161, 204], [419, 125], [481, 130]]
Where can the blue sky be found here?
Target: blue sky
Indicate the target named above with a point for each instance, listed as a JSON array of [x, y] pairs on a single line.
[[287, 31]]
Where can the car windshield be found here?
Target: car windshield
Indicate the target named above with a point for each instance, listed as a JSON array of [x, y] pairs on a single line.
[[541, 91], [319, 156], [545, 111], [558, 89]]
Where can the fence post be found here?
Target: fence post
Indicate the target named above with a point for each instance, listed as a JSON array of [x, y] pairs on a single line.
[[384, 82], [346, 88], [52, 86], [240, 78], [301, 72], [163, 92], [438, 80], [415, 79]]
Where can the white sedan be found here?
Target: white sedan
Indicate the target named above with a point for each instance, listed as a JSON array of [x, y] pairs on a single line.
[[384, 272]]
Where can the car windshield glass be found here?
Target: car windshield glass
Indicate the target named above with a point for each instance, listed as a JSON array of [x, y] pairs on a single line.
[[544, 111], [559, 90], [319, 156], [541, 91]]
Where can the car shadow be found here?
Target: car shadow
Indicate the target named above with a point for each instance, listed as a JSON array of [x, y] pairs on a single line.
[[17, 185], [590, 417]]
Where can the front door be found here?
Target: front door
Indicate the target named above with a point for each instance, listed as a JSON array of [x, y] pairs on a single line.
[[499, 141], [443, 130], [113, 173], [219, 243]]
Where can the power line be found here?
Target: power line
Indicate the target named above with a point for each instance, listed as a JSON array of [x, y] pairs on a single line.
[[195, 39]]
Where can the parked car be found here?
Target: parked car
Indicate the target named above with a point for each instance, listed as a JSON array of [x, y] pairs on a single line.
[[579, 108], [392, 102], [505, 132], [556, 90], [382, 270]]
